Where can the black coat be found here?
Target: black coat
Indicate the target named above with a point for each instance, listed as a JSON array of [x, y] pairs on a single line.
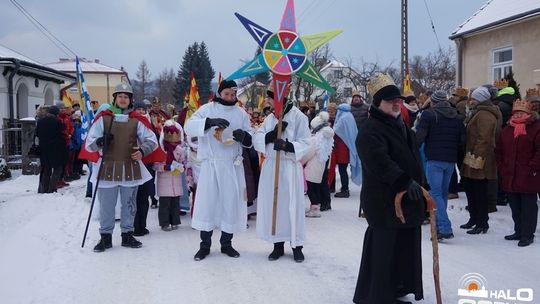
[[505, 104], [52, 146], [390, 161]]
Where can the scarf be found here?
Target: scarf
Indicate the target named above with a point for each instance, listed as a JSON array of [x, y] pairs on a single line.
[[519, 125]]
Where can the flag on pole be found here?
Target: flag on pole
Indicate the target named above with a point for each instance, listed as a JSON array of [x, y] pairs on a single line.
[[219, 79], [326, 97], [193, 98], [66, 99], [260, 102], [87, 113], [407, 83]]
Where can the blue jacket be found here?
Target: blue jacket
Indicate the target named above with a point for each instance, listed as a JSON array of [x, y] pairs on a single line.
[[442, 132]]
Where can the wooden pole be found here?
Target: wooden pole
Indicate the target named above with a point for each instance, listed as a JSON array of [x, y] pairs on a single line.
[[276, 173]]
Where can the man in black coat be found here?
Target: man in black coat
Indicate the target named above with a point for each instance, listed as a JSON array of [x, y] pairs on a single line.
[[391, 264], [53, 150]]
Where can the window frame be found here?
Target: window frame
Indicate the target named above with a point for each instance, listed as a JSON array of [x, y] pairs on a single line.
[[502, 66]]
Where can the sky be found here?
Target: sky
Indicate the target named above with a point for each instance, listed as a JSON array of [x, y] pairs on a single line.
[[124, 32]]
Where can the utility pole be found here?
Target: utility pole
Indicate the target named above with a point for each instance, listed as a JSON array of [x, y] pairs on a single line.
[[404, 43]]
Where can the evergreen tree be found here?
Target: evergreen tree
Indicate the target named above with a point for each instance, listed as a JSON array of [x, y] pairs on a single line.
[[197, 61], [512, 83]]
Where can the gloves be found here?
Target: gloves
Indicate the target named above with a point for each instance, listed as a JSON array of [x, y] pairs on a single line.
[[414, 191], [271, 136], [216, 122], [283, 145], [104, 140], [242, 137]]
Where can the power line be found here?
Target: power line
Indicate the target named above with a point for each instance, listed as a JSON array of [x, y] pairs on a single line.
[[304, 13], [43, 29], [432, 25]]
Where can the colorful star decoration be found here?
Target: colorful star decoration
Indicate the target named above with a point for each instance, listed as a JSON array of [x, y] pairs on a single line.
[[284, 54]]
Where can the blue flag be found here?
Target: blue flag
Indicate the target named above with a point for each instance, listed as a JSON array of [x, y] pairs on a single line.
[[87, 116]]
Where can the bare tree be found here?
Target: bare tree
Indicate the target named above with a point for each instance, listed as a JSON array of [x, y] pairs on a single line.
[[165, 86], [303, 90], [435, 71], [143, 78]]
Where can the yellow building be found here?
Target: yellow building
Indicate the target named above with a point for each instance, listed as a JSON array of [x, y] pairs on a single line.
[[100, 79], [501, 37]]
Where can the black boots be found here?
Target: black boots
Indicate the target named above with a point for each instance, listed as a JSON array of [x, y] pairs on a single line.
[[230, 252], [129, 241], [524, 242], [297, 254], [512, 237], [478, 230], [342, 194], [104, 243], [277, 252], [201, 254], [468, 225]]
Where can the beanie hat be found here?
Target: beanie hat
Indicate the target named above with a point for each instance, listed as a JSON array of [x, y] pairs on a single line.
[[227, 84], [60, 105], [439, 96], [481, 94], [139, 105], [54, 110]]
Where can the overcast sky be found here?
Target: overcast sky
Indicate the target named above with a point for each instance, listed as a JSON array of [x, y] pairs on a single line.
[[124, 32]]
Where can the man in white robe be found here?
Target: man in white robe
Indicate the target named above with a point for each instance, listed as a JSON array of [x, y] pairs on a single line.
[[293, 145], [221, 197]]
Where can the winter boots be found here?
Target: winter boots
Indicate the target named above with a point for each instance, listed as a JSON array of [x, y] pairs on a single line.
[[342, 194], [201, 254], [129, 241], [104, 243], [277, 252], [314, 211], [230, 252], [297, 254]]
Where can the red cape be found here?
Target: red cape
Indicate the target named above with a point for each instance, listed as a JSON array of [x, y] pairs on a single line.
[[158, 155]]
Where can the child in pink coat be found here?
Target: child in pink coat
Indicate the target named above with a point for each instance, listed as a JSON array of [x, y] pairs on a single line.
[[168, 176]]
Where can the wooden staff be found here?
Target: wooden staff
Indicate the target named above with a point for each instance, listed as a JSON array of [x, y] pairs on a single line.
[[431, 206], [276, 172]]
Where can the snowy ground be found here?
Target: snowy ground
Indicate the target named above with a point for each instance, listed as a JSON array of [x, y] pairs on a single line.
[[41, 259]]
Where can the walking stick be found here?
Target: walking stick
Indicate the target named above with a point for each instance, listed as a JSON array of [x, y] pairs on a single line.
[[431, 205], [105, 146], [276, 173]]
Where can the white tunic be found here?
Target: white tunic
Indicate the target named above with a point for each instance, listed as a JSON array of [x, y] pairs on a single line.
[[290, 223], [221, 189]]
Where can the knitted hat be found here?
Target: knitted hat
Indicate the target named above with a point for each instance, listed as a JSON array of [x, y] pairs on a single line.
[[60, 105], [439, 96], [227, 84], [139, 105], [481, 94], [54, 110]]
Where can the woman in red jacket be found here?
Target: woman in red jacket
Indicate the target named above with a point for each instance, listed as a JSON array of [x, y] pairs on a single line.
[[518, 160]]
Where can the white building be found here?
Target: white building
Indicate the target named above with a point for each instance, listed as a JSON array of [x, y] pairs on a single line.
[[26, 84], [340, 76]]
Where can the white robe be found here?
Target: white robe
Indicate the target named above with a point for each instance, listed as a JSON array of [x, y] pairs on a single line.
[[290, 223], [221, 189]]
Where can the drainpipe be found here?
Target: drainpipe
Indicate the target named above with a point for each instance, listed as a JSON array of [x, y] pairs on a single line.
[[10, 88], [459, 62]]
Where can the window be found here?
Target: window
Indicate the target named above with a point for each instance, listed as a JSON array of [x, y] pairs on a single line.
[[338, 73], [347, 92], [502, 63]]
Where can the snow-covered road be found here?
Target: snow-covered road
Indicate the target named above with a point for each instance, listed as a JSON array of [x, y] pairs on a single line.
[[41, 260]]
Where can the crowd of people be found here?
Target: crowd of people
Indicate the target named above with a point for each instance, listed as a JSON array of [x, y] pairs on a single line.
[[482, 141]]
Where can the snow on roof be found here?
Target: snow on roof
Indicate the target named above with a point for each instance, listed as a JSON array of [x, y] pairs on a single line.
[[6, 52], [68, 65], [497, 12]]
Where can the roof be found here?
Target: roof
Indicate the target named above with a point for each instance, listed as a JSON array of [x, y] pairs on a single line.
[[30, 67], [88, 66], [6, 52], [496, 13]]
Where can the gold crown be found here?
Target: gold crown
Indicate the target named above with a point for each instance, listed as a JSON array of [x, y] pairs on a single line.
[[533, 92], [461, 92], [171, 136], [501, 84], [378, 82], [156, 102], [522, 105]]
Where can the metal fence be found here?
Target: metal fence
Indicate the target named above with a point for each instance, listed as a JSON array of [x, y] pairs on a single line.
[[11, 143]]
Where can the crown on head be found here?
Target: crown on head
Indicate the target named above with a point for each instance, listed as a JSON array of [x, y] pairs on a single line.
[[522, 105], [378, 82], [533, 92], [501, 84], [462, 92]]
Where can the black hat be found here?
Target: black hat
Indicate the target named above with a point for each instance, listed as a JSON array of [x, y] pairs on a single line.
[[227, 84], [139, 105], [389, 92], [54, 110]]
